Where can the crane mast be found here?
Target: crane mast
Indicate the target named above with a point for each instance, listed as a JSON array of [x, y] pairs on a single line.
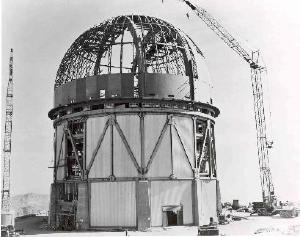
[[5, 204], [257, 70]]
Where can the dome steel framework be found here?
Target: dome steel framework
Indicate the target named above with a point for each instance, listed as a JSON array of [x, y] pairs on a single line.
[[131, 43]]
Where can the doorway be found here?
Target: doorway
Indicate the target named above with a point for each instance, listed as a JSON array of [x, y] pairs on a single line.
[[172, 215]]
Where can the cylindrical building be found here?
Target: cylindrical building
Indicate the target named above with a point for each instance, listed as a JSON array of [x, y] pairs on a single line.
[[134, 129]]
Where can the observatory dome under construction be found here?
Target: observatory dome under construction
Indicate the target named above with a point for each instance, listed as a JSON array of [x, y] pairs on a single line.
[[134, 130], [138, 44]]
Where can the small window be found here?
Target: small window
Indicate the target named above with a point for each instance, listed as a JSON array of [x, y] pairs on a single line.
[[102, 94]]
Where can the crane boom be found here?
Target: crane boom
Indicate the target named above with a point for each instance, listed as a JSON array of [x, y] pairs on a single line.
[[5, 204], [257, 70]]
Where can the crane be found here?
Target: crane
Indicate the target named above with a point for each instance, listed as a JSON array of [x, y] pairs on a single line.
[[253, 58], [5, 204]]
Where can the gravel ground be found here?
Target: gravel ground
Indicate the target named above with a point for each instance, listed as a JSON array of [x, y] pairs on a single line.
[[259, 225]]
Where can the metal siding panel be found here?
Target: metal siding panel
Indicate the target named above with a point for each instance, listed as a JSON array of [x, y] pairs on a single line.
[[61, 169], [208, 201], [80, 89], [123, 165], [102, 163], [186, 131], [165, 193], [127, 85], [72, 91], [58, 96], [114, 85], [130, 125], [153, 127], [113, 204], [92, 90], [181, 165], [102, 83], [161, 164], [65, 93], [164, 85]]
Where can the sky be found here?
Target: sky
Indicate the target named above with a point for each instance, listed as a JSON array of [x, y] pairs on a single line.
[[41, 31]]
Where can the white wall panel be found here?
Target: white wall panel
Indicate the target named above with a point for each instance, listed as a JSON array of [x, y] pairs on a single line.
[[208, 201], [164, 193], [186, 130], [182, 169], [153, 127], [130, 125], [102, 164], [113, 204], [94, 128], [123, 165], [60, 155], [161, 164]]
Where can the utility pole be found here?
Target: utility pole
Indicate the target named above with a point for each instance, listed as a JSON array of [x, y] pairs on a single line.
[[7, 140]]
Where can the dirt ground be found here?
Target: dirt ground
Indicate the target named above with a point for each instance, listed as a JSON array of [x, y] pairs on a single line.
[[260, 225]]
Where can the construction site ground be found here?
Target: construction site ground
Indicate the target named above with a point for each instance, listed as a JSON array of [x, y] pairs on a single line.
[[248, 225]]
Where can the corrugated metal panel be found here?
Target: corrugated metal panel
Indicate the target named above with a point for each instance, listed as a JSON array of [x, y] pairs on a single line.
[[207, 201], [164, 193], [153, 127], [163, 85], [130, 125], [91, 88], [113, 204], [186, 131], [69, 92], [60, 146], [114, 85], [123, 165], [80, 89], [161, 164], [58, 94], [127, 84], [182, 169], [102, 164]]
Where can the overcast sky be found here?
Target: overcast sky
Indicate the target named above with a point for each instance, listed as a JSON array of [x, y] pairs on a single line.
[[41, 31]]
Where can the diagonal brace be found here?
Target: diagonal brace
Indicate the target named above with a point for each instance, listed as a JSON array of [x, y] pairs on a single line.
[[98, 146], [57, 162], [157, 145], [115, 123], [74, 149], [181, 142]]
